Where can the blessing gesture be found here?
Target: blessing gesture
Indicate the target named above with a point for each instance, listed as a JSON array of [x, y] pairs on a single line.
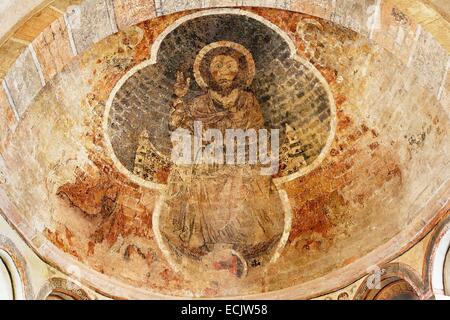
[[182, 85]]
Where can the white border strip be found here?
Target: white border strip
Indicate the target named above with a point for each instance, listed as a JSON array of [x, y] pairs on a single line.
[[376, 22], [444, 80], [37, 64], [10, 100], [158, 7], [159, 206], [70, 34], [414, 46], [111, 15], [287, 225]]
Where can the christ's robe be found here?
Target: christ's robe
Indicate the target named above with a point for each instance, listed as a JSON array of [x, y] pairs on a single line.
[[227, 205]]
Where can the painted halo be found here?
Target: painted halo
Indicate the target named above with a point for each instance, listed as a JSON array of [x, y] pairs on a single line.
[[199, 77]]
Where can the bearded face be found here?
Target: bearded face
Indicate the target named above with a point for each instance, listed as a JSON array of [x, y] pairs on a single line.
[[224, 66], [224, 70]]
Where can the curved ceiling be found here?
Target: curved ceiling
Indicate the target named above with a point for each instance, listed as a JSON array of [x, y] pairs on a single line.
[[360, 104]]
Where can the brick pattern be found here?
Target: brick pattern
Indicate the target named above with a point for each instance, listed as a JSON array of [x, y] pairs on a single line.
[[131, 12], [302, 104], [318, 8], [53, 48], [279, 4], [24, 81], [396, 31], [357, 15], [91, 22], [399, 33], [429, 60], [288, 91], [164, 7], [143, 103], [402, 97]]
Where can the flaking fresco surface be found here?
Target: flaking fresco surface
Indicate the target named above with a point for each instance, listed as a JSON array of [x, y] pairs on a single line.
[[390, 142]]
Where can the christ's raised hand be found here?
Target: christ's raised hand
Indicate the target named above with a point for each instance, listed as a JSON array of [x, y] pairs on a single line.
[[182, 85]]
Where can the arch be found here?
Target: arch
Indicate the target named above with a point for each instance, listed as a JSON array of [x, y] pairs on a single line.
[[437, 260], [447, 274], [396, 281], [14, 269], [6, 285], [44, 250], [397, 290], [15, 281], [62, 289]]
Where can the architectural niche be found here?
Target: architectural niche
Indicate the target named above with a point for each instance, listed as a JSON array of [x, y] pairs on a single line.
[[447, 274], [62, 289], [394, 281], [436, 264], [6, 282], [15, 283]]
